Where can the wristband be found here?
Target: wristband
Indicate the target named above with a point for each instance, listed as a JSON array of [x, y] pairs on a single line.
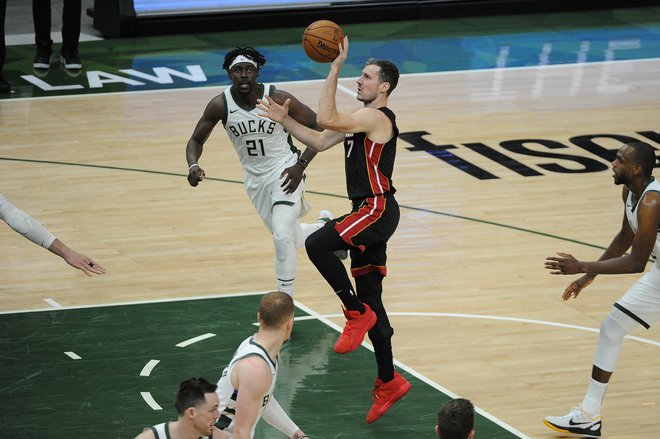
[[303, 436], [192, 166], [304, 163]]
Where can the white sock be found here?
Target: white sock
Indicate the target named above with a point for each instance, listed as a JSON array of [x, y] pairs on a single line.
[[286, 286], [593, 400]]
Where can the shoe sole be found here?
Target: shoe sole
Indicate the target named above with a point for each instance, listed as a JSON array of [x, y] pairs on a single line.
[[371, 325], [403, 390], [325, 216], [39, 65], [71, 66], [563, 430]]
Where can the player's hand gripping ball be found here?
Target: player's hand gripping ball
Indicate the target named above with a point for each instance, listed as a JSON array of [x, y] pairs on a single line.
[[321, 40]]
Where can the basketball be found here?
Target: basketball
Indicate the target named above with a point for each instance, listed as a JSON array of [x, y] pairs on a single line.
[[321, 40]]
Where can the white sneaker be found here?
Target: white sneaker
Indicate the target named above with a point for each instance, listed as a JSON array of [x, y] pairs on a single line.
[[324, 217], [575, 422]]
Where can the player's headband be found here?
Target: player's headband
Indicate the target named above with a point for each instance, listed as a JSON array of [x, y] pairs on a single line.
[[242, 58]]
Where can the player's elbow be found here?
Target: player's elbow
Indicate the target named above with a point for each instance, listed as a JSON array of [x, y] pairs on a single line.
[[322, 122], [637, 266], [325, 121], [314, 147]]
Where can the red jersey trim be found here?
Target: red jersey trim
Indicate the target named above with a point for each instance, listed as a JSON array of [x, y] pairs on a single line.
[[356, 222], [361, 271], [372, 153]]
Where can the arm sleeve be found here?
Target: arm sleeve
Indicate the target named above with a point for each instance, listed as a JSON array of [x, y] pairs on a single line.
[[24, 224], [275, 416]]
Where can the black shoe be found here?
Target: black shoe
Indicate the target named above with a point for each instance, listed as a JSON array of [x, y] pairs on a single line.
[[42, 58], [5, 86], [70, 61]]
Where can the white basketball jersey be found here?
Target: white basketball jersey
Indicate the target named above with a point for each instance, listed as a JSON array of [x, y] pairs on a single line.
[[162, 431], [631, 216], [228, 395], [261, 144]]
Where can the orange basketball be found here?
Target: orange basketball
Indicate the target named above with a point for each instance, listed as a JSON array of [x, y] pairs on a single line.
[[321, 40]]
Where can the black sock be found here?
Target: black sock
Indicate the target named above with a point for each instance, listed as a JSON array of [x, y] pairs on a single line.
[[350, 300], [383, 352]]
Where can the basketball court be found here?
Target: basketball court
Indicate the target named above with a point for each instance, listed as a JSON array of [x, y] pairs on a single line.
[[508, 125]]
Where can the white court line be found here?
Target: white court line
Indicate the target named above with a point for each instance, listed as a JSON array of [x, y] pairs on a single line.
[[487, 317], [419, 376], [348, 91], [221, 87], [73, 355], [140, 302], [324, 318], [190, 341], [150, 400], [53, 303], [146, 370]]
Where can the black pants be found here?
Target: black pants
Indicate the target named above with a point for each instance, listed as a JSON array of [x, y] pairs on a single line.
[[368, 269], [41, 13]]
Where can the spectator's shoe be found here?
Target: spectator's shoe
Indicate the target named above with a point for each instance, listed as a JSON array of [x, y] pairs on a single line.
[[385, 395], [70, 60], [324, 217], [42, 58], [575, 422], [5, 86], [357, 326]]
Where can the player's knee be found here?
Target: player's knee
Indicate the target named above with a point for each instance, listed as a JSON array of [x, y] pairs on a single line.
[[611, 330], [381, 331], [283, 241], [312, 247]]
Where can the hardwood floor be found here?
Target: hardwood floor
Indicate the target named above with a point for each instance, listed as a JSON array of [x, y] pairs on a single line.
[[473, 308]]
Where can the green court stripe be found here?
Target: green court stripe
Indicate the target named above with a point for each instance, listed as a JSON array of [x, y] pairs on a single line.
[[117, 341], [121, 339], [418, 209]]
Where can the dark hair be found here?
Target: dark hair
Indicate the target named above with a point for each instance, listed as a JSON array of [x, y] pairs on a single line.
[[643, 154], [192, 392], [456, 419], [275, 309], [388, 72], [249, 52]]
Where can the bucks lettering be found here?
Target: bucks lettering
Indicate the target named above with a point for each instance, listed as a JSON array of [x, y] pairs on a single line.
[[251, 126]]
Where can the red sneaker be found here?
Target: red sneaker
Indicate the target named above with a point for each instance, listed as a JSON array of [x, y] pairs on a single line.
[[357, 325], [385, 395]]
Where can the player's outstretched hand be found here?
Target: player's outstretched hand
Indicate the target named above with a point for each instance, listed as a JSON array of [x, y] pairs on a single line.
[[577, 286], [563, 264], [75, 259], [195, 175], [343, 54], [272, 110], [84, 263]]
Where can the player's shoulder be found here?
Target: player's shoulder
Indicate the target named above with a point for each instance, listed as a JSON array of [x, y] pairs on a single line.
[[254, 366], [279, 95], [652, 198], [218, 100], [216, 109], [147, 433]]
